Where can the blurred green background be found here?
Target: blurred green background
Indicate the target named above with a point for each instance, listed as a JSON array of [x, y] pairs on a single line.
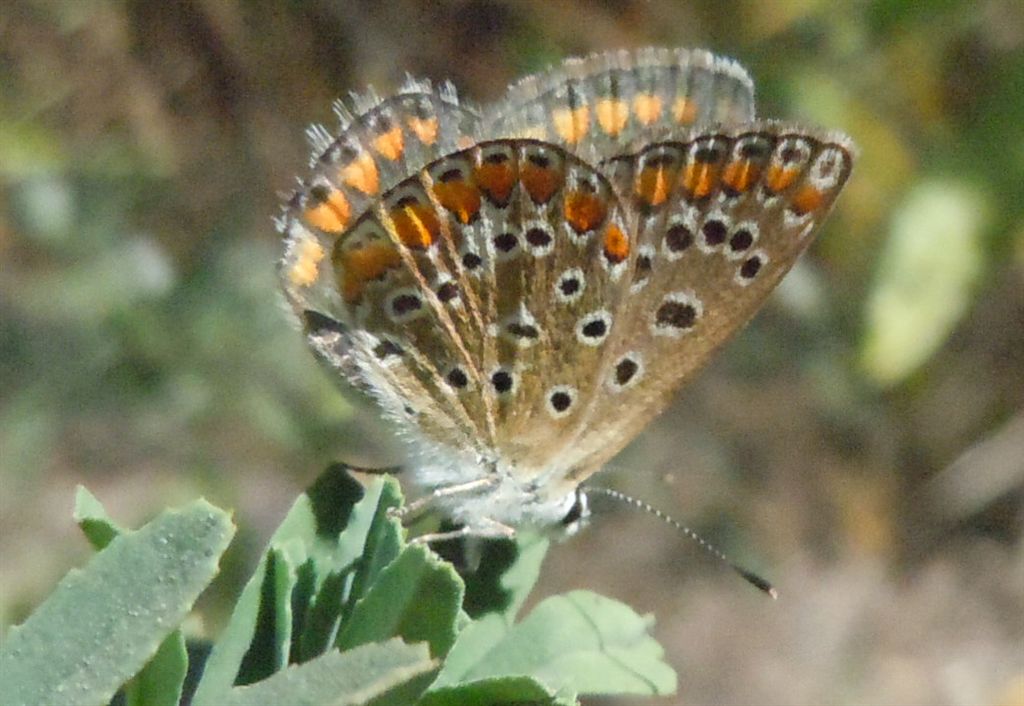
[[861, 443]]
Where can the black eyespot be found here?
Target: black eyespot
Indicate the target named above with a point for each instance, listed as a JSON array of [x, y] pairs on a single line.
[[741, 240], [505, 242], [750, 267], [405, 304], [678, 238], [520, 330], [447, 291], [456, 377], [538, 237], [675, 314], [625, 369], [560, 400], [501, 380], [569, 286], [471, 261], [595, 328], [714, 232]]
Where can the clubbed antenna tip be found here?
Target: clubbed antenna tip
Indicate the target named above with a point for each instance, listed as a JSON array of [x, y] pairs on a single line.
[[749, 576]]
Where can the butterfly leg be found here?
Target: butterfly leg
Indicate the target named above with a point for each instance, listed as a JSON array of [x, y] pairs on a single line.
[[487, 529], [407, 513]]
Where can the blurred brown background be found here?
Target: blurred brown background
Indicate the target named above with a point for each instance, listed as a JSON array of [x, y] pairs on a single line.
[[861, 443]]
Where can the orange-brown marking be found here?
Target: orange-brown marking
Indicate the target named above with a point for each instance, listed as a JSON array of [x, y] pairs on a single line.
[[416, 224], [391, 144], [584, 211], [361, 265], [361, 173], [571, 125], [460, 198], [700, 178], [330, 213], [541, 183], [425, 129], [684, 110], [307, 263], [807, 199], [497, 179], [647, 108], [780, 177], [616, 244], [740, 175], [612, 115], [654, 184]]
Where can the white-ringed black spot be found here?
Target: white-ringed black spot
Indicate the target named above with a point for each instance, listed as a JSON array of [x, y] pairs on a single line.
[[538, 237], [560, 400], [404, 304], [714, 232], [471, 261], [750, 267], [678, 238], [505, 242], [593, 328], [448, 291], [457, 378], [570, 285], [626, 372], [503, 381], [741, 240], [677, 314]]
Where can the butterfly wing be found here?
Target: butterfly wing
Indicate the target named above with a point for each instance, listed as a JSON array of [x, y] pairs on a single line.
[[612, 103], [720, 219]]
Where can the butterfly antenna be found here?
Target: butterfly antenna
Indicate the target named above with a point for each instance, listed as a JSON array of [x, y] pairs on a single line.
[[748, 576]]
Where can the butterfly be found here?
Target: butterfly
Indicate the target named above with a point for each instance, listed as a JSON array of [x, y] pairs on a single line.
[[523, 286]]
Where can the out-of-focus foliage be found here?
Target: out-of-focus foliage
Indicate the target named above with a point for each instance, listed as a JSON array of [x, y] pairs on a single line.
[[862, 439]]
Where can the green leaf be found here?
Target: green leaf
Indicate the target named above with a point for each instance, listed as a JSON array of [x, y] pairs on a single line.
[[270, 646], [416, 597], [93, 520], [508, 570], [160, 682], [926, 277], [485, 692], [329, 524], [103, 622], [578, 642], [386, 673]]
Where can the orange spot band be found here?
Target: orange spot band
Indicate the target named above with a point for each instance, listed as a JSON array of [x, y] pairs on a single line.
[[572, 125], [361, 265], [612, 115], [616, 244], [331, 213], [460, 198], [647, 108], [416, 224], [361, 173], [391, 144], [584, 211]]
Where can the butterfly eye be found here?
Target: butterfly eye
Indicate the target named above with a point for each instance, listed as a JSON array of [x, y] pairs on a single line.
[[578, 512]]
